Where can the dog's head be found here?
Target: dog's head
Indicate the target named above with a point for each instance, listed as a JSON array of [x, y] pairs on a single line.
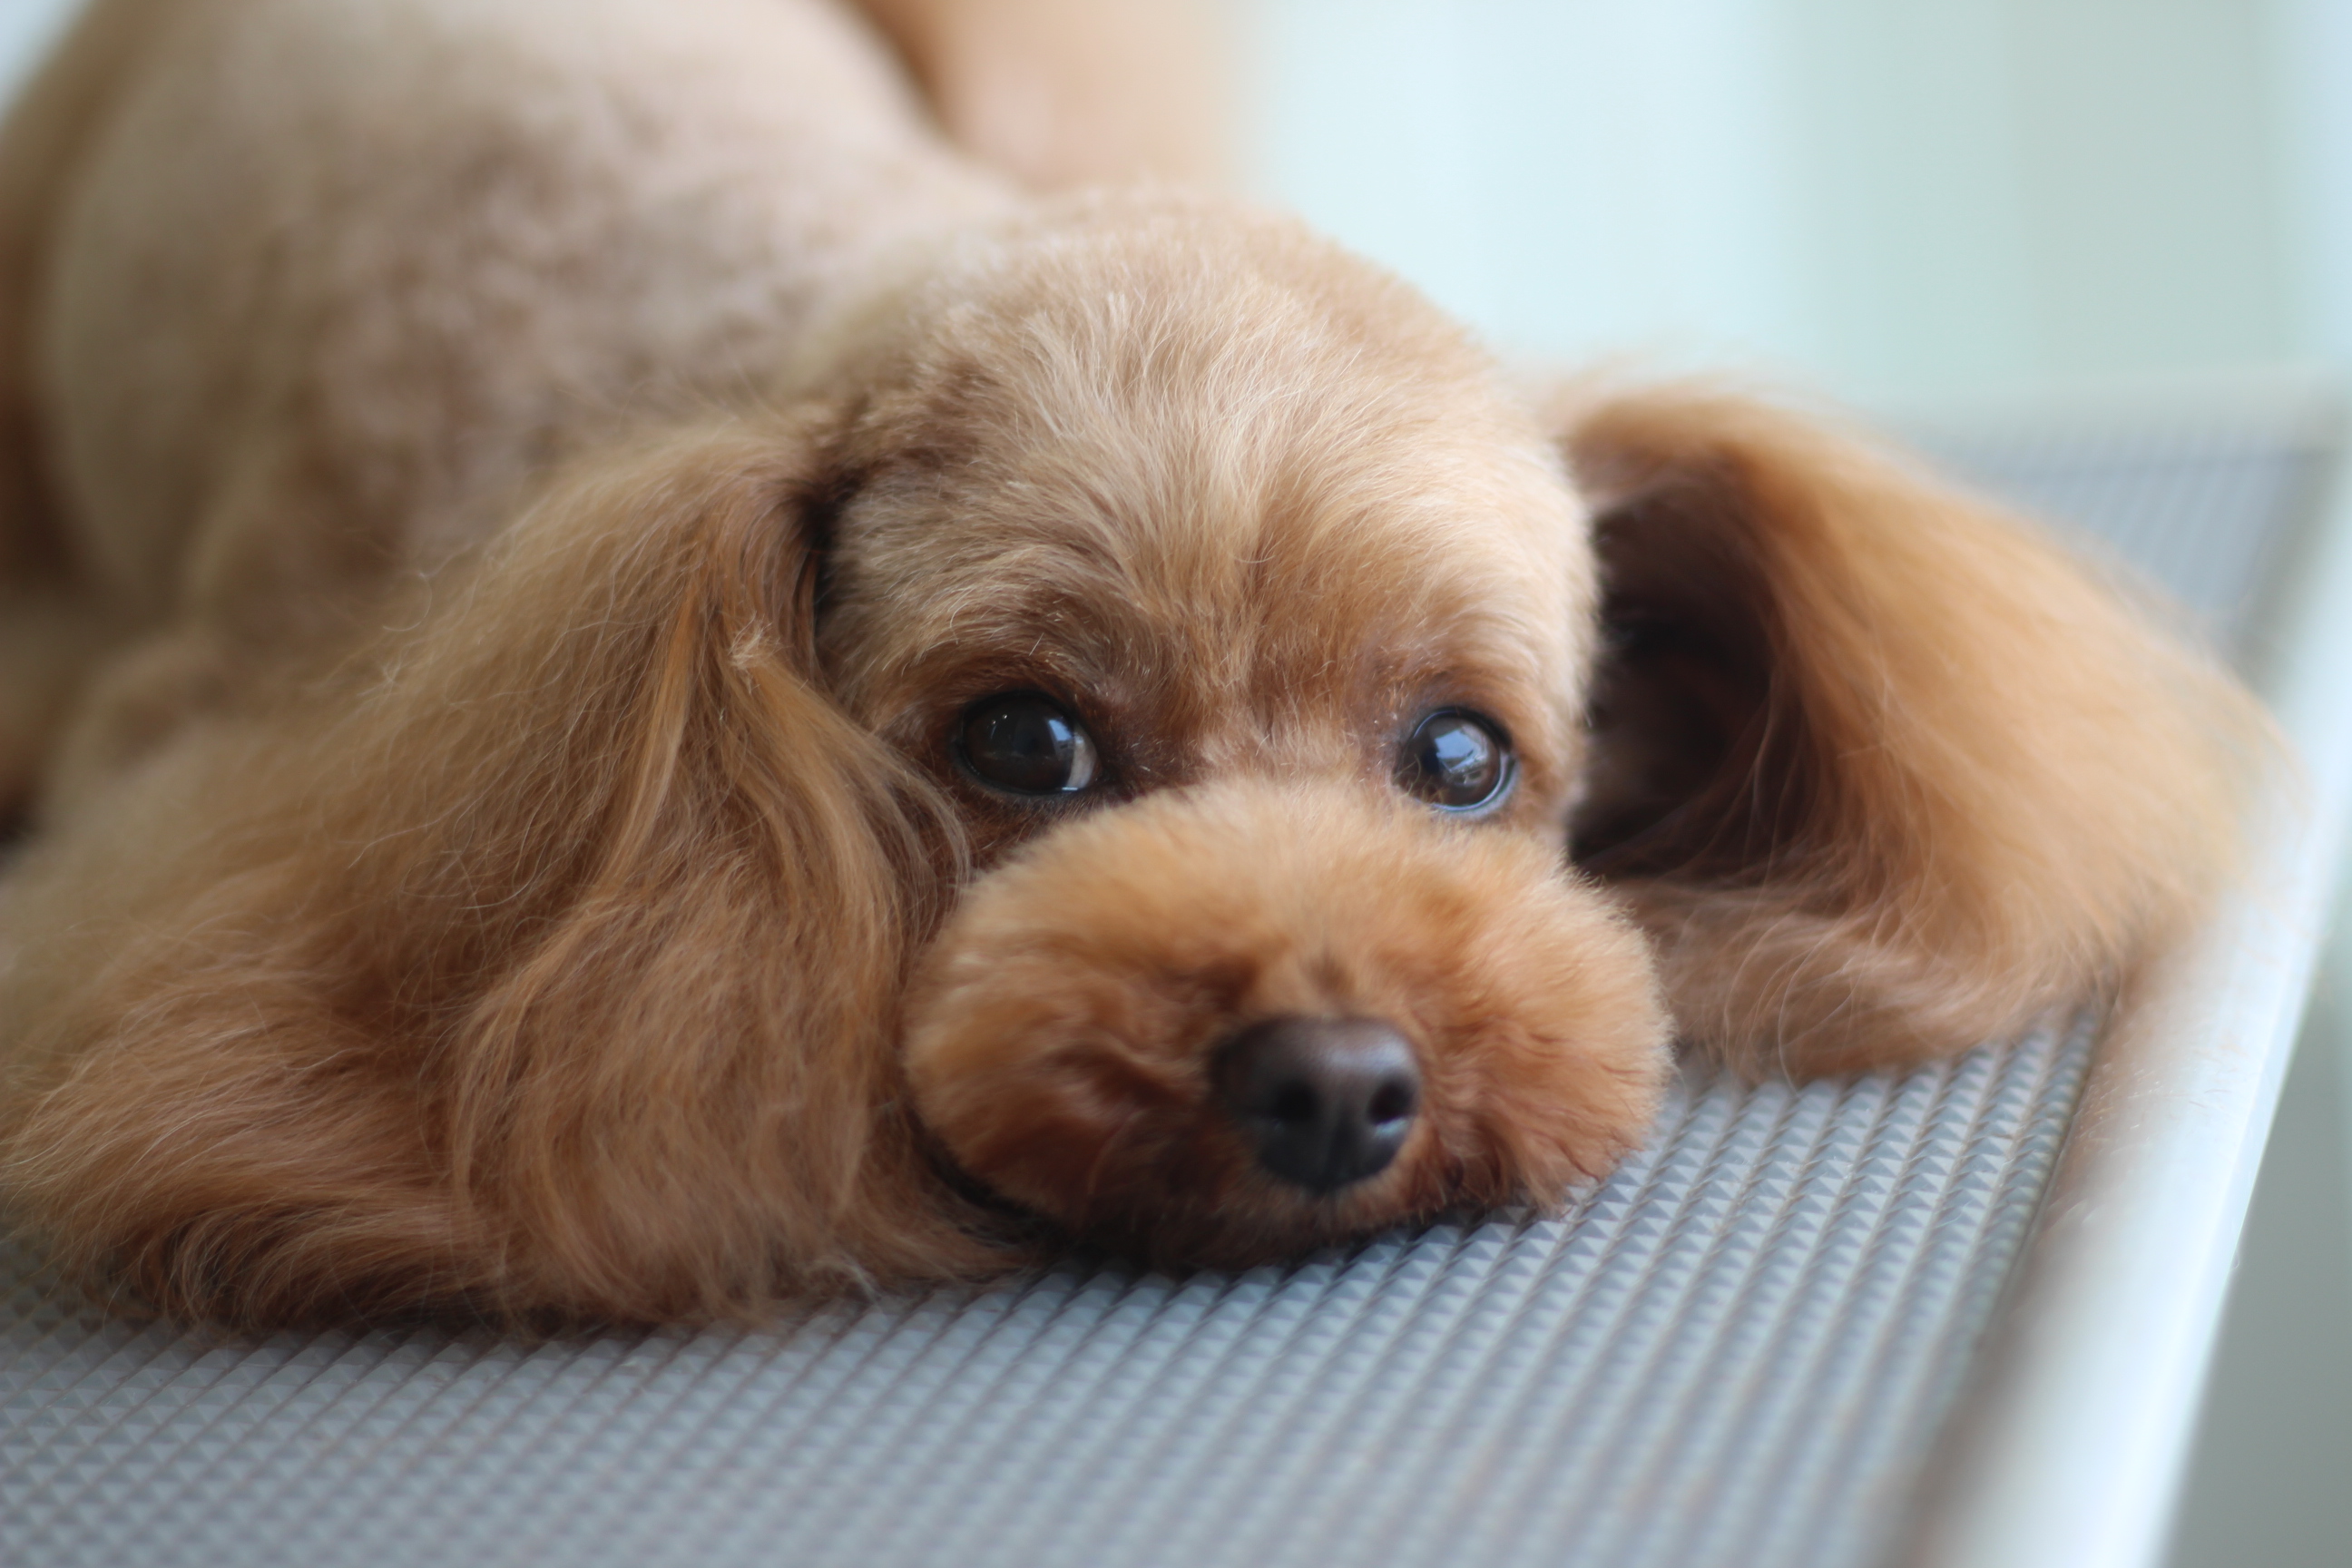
[[1246, 626]]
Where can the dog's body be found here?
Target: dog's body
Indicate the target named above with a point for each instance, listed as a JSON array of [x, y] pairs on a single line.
[[960, 700]]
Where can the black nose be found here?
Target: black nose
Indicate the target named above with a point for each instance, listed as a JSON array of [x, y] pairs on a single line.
[[1325, 1102]]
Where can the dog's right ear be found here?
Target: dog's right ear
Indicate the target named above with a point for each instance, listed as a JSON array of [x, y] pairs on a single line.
[[1882, 771], [544, 960]]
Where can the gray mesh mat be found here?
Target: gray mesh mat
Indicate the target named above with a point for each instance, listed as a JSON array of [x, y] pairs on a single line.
[[1724, 1352], [2202, 508], [1735, 1350]]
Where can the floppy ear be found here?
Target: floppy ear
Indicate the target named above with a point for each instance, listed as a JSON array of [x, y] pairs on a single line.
[[1882, 771], [542, 959]]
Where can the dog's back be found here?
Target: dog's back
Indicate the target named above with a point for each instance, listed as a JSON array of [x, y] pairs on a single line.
[[395, 257], [385, 263], [49, 627]]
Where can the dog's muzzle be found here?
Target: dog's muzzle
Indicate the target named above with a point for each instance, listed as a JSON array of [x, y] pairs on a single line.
[[1227, 1022]]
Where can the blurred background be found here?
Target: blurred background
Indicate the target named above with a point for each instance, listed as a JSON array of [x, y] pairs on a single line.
[[1929, 200], [1918, 207]]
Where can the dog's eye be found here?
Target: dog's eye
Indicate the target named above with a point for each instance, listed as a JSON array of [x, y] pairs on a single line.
[[1028, 744], [1456, 760]]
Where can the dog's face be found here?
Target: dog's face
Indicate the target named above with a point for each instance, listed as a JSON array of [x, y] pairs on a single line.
[[1247, 630]]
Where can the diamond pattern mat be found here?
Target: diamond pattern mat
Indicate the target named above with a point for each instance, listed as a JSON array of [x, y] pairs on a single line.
[[1723, 1353], [1736, 1351]]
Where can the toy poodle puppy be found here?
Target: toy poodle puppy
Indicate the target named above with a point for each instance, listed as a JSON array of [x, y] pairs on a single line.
[[641, 684]]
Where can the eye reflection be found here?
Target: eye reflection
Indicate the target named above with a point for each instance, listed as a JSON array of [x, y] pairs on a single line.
[[1456, 760], [1025, 743]]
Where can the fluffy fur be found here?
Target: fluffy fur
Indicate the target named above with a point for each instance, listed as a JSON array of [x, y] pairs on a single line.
[[508, 499]]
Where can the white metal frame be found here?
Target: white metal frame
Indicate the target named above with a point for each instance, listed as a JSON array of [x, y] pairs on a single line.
[[2070, 1443]]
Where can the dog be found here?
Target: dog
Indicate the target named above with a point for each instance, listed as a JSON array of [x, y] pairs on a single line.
[[641, 682]]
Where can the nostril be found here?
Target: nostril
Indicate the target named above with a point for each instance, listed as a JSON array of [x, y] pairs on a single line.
[[1325, 1102], [1394, 1101]]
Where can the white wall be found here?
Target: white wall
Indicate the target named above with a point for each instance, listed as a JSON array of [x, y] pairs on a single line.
[[1913, 199], [1566, 174]]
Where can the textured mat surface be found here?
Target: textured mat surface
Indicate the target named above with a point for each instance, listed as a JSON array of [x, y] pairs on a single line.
[[2202, 507], [1736, 1351], [1731, 1351]]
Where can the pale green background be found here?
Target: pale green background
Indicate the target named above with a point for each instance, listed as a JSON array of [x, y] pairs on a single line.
[[1894, 199]]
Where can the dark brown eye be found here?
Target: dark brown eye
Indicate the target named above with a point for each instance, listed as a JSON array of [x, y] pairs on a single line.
[[1027, 744], [1456, 760]]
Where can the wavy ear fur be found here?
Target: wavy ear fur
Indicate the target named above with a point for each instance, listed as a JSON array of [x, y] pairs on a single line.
[[546, 951], [1883, 772]]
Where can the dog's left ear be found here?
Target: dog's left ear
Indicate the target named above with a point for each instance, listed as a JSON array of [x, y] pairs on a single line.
[[1882, 771], [539, 956]]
